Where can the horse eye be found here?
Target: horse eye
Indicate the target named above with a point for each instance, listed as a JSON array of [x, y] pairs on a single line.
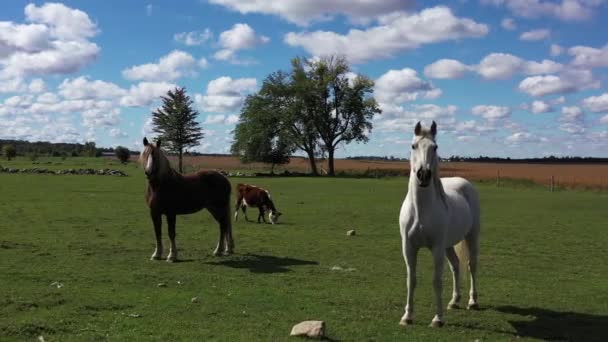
[[435, 147], [413, 146]]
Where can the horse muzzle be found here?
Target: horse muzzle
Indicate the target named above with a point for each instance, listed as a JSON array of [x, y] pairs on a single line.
[[424, 177]]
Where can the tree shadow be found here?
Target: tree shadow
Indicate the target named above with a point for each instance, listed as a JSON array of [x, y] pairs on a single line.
[[262, 263], [558, 326]]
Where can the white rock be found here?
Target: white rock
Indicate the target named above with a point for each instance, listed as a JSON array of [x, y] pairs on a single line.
[[313, 329], [194, 300], [351, 233]]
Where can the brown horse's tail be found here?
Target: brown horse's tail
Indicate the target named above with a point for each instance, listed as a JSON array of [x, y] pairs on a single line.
[[229, 239]]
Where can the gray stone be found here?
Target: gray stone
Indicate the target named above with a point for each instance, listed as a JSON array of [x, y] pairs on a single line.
[[312, 329]]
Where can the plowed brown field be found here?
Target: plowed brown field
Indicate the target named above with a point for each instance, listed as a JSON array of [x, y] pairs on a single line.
[[587, 175]]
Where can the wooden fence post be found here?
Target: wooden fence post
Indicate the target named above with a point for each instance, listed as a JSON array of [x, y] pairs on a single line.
[[497, 178]]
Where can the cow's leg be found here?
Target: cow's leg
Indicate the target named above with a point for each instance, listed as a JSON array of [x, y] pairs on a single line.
[[244, 208], [173, 250], [237, 206]]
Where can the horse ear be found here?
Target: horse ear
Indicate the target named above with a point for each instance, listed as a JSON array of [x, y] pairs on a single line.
[[434, 128], [146, 141], [418, 129]]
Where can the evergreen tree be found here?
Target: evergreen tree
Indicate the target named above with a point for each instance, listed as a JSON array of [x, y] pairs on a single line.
[[175, 122]]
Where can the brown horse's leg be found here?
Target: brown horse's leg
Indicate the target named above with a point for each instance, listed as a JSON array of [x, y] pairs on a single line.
[[157, 221], [221, 216], [229, 241], [173, 250]]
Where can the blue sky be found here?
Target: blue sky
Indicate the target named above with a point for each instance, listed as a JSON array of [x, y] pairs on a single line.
[[507, 78]]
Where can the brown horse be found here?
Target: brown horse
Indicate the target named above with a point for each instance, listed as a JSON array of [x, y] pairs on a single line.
[[170, 193]]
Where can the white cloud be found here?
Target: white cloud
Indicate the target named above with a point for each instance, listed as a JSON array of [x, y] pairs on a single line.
[[203, 63], [117, 133], [568, 81], [503, 66], [508, 24], [94, 118], [215, 119], [604, 119], [302, 12], [55, 41], [402, 119], [556, 50], [239, 37], [82, 88], [144, 93], [64, 22], [538, 107], [446, 69], [170, 67], [568, 10], [535, 35], [596, 104], [193, 38], [37, 85], [393, 34], [398, 86], [523, 137], [225, 94], [589, 57], [572, 114], [491, 112], [149, 9]]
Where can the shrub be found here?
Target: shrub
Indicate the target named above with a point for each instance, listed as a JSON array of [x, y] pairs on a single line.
[[122, 153], [9, 151]]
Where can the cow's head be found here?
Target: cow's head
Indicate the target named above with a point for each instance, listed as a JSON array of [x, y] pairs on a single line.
[[273, 216]]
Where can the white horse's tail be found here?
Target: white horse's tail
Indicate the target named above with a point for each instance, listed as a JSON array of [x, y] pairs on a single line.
[[462, 251]]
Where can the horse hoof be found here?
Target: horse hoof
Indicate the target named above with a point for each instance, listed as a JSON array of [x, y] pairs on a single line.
[[453, 306], [473, 306], [172, 259], [156, 257], [406, 322], [436, 324]]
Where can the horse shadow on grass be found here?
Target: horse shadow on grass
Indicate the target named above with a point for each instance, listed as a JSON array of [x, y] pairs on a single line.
[[262, 263], [556, 325]]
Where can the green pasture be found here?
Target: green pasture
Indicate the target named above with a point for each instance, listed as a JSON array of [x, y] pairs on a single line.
[[74, 264]]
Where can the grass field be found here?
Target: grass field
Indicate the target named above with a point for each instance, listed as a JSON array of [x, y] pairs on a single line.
[[74, 265]]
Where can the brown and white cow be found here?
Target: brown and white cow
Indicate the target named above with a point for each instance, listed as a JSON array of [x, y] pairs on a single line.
[[256, 197]]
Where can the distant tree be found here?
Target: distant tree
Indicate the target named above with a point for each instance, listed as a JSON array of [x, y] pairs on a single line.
[[259, 136], [90, 150], [175, 122], [342, 106], [122, 153], [9, 151]]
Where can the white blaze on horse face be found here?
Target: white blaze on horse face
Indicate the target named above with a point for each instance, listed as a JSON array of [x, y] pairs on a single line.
[[149, 163], [423, 154]]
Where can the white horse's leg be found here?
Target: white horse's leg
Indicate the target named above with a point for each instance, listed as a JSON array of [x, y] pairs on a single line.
[[438, 260], [454, 263], [473, 245], [173, 249], [410, 254]]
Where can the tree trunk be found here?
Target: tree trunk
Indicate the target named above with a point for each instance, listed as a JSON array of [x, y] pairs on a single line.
[[272, 169], [330, 161], [180, 161], [313, 163]]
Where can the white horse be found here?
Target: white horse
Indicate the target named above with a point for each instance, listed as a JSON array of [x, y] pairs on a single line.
[[438, 213]]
